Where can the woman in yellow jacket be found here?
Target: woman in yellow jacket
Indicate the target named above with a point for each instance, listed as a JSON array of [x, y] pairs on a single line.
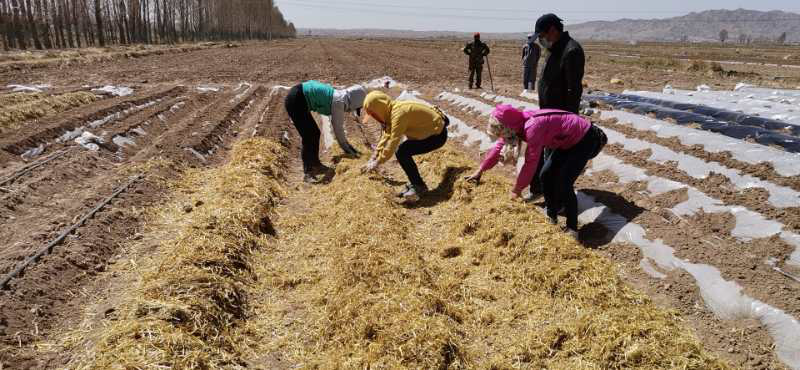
[[424, 127]]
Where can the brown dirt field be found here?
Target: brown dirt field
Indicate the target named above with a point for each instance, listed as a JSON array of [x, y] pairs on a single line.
[[81, 282]]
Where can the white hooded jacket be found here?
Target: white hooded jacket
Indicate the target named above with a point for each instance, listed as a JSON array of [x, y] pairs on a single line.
[[348, 100]]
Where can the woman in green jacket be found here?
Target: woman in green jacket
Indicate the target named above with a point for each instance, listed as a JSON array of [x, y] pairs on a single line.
[[315, 96]]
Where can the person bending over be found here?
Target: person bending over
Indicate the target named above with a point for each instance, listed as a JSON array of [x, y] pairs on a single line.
[[424, 127], [315, 96], [507, 147], [574, 141]]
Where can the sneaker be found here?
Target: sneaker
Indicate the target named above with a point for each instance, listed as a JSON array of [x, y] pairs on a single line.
[[531, 197], [406, 187], [413, 193], [311, 179], [553, 220]]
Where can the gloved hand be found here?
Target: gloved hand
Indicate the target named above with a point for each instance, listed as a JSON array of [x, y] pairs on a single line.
[[370, 166]]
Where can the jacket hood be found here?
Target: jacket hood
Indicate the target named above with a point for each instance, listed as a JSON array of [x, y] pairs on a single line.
[[354, 98], [379, 104], [509, 116]]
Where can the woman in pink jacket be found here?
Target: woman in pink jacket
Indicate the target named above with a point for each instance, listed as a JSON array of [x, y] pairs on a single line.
[[573, 139]]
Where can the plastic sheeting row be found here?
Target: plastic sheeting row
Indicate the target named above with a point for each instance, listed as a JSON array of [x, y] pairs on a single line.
[[727, 123]]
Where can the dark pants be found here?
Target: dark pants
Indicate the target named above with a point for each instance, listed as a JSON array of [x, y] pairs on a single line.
[[536, 183], [475, 72], [410, 148], [304, 122], [561, 170], [528, 78]]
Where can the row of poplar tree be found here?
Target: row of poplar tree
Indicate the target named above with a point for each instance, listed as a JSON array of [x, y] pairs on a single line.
[[49, 24]]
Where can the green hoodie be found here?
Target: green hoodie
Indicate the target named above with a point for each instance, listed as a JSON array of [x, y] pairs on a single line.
[[319, 96]]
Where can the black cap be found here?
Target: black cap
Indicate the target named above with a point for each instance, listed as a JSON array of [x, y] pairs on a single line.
[[546, 21]]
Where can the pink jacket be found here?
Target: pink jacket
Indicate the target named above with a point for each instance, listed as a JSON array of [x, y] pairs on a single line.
[[543, 128]]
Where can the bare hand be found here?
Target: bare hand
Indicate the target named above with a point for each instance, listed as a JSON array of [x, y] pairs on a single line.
[[475, 178]]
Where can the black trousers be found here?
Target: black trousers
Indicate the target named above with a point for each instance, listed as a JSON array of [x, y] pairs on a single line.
[[306, 126], [561, 170], [410, 148]]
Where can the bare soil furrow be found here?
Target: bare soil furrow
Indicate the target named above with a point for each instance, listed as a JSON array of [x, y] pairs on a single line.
[[715, 185], [51, 133], [35, 299], [210, 137]]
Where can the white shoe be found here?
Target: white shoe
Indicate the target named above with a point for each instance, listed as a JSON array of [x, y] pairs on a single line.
[[412, 193]]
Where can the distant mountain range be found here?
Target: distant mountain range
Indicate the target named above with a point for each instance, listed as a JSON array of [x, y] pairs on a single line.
[[696, 27], [703, 26]]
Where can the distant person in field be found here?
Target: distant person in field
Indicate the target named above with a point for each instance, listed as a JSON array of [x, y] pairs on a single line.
[[315, 96], [530, 63], [477, 52], [561, 83], [424, 127], [573, 141]]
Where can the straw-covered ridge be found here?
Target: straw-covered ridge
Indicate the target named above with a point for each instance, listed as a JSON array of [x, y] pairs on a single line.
[[16, 108], [465, 279], [196, 293]]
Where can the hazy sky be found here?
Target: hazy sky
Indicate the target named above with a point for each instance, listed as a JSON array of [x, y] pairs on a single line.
[[493, 16]]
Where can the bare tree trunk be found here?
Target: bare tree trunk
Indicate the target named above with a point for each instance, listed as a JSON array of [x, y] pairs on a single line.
[[58, 26], [44, 21], [5, 25], [98, 18], [32, 28], [16, 25], [73, 14]]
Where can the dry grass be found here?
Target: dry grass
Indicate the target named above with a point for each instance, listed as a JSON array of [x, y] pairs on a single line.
[[17, 108], [468, 279], [182, 312], [40, 59]]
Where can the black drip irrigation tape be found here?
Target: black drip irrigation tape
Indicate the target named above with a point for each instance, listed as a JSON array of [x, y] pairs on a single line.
[[721, 114], [723, 122], [60, 238], [34, 166]]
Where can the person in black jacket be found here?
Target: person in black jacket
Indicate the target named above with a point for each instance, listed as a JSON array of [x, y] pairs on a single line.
[[476, 51], [561, 84]]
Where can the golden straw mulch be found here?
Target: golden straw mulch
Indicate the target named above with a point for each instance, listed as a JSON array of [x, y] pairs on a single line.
[[466, 279], [16, 108], [186, 307]]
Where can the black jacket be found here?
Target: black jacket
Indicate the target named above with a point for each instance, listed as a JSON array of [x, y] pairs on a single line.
[[476, 51], [561, 84]]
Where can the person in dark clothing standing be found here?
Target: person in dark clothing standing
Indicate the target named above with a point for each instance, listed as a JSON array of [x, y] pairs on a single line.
[[476, 51], [561, 83], [530, 63]]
